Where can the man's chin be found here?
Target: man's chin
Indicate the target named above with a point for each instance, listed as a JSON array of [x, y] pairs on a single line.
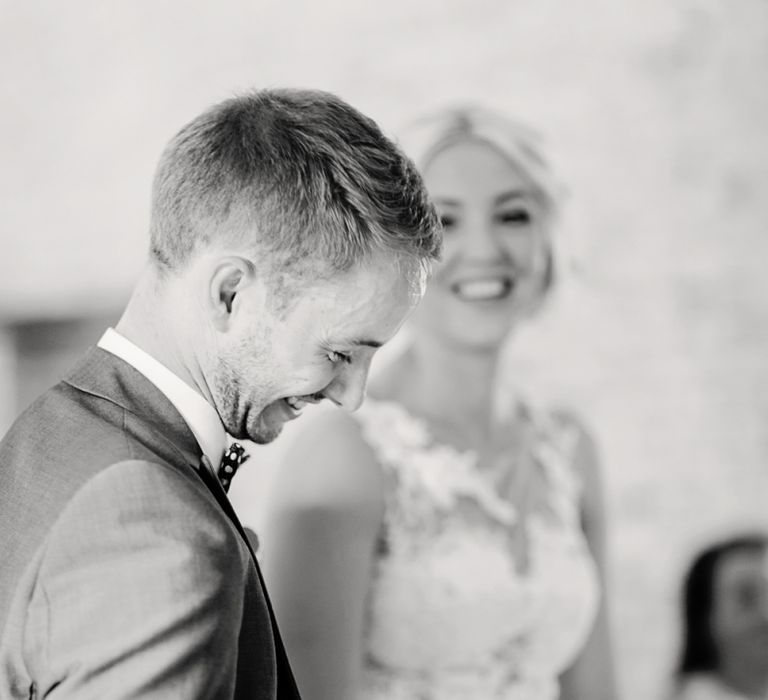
[[263, 432], [264, 437]]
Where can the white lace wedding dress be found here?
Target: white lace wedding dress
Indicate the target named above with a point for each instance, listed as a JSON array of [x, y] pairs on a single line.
[[453, 613]]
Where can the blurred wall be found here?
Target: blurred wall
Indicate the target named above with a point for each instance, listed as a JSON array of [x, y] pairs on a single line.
[[655, 115]]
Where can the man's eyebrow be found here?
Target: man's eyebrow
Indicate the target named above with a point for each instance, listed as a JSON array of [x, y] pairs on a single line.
[[351, 342], [367, 342]]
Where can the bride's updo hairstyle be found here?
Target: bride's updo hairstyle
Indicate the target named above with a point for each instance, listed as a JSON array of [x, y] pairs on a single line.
[[423, 138]]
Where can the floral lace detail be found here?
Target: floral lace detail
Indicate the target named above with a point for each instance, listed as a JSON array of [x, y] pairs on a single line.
[[451, 614], [441, 471]]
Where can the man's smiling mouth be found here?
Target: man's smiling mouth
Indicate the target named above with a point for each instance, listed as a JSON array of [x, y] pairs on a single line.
[[297, 403]]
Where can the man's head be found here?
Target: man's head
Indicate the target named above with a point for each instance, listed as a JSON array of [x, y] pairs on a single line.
[[298, 238]]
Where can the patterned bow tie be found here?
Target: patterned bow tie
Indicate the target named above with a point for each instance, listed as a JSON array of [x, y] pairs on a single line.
[[230, 463]]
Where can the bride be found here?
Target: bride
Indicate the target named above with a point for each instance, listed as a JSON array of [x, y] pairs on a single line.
[[444, 543]]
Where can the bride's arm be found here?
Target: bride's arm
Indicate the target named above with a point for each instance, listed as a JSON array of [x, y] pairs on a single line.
[[592, 676], [324, 514]]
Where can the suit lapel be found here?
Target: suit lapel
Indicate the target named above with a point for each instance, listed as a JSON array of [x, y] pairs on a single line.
[[286, 680]]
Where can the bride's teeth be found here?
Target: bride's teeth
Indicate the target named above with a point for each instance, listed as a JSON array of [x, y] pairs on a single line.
[[480, 290]]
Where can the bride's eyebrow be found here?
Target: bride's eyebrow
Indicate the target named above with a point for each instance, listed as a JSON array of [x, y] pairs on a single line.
[[508, 196], [446, 201]]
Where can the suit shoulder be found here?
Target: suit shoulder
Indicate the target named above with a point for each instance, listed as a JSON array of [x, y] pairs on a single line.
[[141, 586], [144, 503], [63, 421]]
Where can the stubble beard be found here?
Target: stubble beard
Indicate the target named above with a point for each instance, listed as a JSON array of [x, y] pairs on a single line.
[[242, 414]]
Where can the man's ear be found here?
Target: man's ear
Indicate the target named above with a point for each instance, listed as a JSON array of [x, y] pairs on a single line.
[[230, 277]]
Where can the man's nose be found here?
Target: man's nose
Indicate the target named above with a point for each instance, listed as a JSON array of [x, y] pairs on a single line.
[[347, 390]]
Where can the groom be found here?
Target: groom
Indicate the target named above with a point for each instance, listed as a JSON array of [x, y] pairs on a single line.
[[289, 239]]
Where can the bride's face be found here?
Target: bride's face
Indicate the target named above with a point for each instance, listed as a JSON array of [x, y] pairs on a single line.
[[495, 247]]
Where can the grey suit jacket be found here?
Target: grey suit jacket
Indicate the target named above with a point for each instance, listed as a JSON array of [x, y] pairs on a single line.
[[123, 570]]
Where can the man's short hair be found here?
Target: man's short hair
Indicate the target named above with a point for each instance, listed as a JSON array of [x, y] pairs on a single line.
[[299, 175]]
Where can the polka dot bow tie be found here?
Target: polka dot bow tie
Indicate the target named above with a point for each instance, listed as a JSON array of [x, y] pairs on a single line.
[[230, 463]]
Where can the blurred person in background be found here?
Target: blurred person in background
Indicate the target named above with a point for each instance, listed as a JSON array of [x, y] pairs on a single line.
[[289, 240], [446, 541], [725, 622]]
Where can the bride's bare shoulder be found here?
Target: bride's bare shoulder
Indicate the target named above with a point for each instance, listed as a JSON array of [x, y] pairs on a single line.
[[329, 462]]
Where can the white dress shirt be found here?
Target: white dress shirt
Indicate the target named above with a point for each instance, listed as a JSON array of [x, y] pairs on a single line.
[[199, 415]]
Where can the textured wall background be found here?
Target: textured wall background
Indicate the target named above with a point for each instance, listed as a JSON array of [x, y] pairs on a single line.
[[655, 113]]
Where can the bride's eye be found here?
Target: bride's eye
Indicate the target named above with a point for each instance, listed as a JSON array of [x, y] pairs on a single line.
[[447, 221], [335, 357], [514, 217]]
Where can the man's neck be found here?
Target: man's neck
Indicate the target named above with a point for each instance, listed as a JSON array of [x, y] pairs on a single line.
[[155, 324]]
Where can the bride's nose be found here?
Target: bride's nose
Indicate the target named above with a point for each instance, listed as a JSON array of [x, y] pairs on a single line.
[[481, 242]]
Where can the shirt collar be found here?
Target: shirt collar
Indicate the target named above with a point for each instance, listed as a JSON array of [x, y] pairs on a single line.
[[199, 415]]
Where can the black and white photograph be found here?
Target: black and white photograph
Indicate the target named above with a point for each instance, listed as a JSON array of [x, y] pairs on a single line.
[[384, 350]]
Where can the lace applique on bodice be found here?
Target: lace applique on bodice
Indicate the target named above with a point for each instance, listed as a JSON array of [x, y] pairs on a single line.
[[452, 614]]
